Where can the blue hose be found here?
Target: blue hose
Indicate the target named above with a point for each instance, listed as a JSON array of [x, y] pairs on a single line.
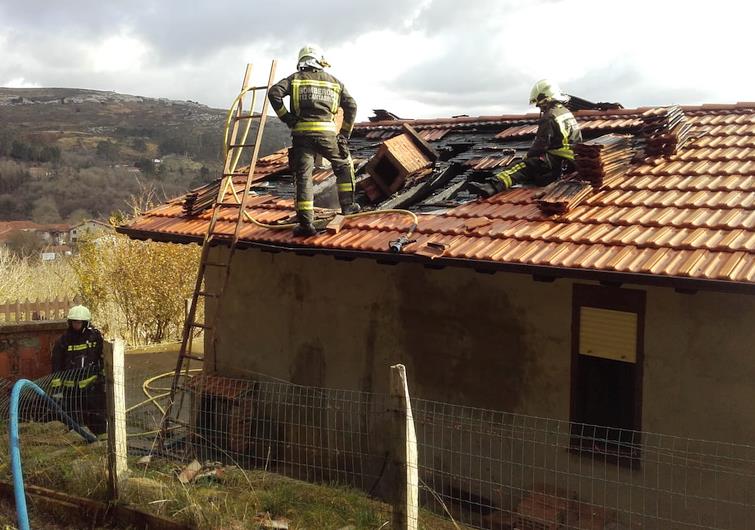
[[15, 448]]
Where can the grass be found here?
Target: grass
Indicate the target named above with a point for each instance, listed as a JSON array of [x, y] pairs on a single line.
[[58, 460], [38, 519]]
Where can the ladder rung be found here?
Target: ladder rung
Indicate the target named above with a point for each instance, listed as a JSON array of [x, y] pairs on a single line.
[[237, 174], [200, 325], [236, 204], [246, 117], [192, 357], [233, 146], [214, 264], [209, 295]]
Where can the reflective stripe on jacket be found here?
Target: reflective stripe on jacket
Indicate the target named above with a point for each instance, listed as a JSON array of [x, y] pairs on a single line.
[[83, 346], [315, 98], [58, 382], [557, 133]]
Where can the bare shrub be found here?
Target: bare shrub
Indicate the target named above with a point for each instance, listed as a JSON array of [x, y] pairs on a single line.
[[137, 288], [33, 279]]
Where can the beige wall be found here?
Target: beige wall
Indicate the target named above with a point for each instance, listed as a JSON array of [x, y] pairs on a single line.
[[499, 341]]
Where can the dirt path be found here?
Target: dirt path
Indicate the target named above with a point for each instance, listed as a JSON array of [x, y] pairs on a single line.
[[139, 368], [142, 366]]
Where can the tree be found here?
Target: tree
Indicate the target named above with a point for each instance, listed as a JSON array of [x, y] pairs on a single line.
[[49, 153], [26, 243], [108, 150], [139, 145], [79, 215], [20, 150], [144, 281], [146, 166], [7, 138], [171, 145], [9, 207], [45, 211]]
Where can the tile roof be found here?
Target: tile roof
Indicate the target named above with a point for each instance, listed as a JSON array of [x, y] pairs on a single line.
[[688, 218], [8, 228]]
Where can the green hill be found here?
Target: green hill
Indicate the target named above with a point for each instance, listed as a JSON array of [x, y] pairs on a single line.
[[67, 154]]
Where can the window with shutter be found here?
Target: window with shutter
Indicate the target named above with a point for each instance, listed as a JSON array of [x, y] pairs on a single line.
[[606, 393]]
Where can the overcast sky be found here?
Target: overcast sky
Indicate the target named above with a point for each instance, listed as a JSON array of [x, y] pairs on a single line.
[[416, 58]]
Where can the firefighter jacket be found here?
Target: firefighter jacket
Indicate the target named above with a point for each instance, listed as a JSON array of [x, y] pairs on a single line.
[[315, 97], [79, 353], [557, 132]]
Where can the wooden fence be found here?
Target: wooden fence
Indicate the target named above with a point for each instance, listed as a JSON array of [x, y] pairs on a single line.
[[22, 311]]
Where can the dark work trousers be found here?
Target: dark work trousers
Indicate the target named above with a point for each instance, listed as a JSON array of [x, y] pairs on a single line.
[[303, 151], [87, 406], [540, 171]]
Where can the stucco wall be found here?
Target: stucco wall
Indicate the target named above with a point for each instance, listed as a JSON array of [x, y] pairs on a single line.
[[500, 341]]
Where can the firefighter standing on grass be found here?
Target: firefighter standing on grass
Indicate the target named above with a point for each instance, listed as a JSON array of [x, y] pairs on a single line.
[[315, 97], [77, 371], [551, 153]]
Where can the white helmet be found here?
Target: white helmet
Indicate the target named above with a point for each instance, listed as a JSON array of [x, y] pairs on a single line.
[[313, 56], [545, 91], [79, 312]]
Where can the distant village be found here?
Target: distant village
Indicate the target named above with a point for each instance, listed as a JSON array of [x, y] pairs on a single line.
[[54, 240]]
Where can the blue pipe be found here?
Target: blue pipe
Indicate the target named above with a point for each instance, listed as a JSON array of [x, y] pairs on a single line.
[[15, 448]]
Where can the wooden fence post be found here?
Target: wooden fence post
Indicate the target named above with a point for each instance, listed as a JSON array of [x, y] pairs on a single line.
[[404, 454], [116, 415]]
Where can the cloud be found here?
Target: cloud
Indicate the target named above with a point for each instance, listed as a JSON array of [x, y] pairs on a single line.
[[20, 82], [419, 58], [118, 53], [638, 53]]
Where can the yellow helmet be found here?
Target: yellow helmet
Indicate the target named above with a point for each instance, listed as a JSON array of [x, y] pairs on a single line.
[[545, 91], [79, 312], [311, 53]]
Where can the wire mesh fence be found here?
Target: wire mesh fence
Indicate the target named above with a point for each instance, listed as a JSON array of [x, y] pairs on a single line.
[[479, 468], [76, 396], [486, 469], [499, 470], [60, 419], [311, 434]]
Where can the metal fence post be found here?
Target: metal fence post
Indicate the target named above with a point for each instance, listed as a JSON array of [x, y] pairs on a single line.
[[116, 415], [404, 454]]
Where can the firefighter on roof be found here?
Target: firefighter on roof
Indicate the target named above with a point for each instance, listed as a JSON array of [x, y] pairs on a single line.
[[551, 153], [77, 366], [315, 97]]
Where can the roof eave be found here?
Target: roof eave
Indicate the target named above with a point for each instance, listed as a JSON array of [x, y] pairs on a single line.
[[539, 272]]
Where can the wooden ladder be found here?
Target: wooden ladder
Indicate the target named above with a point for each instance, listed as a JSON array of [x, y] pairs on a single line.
[[233, 151]]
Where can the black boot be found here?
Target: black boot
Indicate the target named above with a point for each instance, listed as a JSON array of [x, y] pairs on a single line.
[[304, 230], [351, 209]]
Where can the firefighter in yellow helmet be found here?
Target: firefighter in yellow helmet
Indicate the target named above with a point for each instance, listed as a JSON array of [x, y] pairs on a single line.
[[315, 97], [551, 153], [77, 366]]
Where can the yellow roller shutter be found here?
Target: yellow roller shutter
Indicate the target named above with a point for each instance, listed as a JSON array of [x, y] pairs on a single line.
[[608, 334]]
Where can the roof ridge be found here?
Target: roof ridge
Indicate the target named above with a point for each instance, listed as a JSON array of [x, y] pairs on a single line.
[[706, 108]]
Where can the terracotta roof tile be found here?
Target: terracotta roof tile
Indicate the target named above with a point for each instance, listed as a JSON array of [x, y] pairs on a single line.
[[688, 215]]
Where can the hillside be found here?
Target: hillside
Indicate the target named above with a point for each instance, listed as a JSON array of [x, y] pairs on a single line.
[[68, 154]]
